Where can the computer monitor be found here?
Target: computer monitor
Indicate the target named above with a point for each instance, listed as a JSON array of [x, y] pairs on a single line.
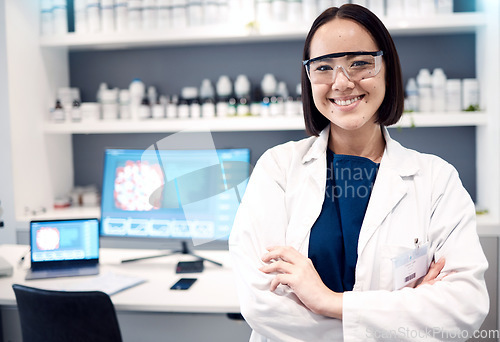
[[189, 195]]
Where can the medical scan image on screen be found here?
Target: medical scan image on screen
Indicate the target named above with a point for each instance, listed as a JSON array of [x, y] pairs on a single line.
[[176, 194], [64, 240]]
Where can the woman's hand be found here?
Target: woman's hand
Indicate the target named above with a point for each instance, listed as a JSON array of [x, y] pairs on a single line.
[[298, 272], [432, 275]]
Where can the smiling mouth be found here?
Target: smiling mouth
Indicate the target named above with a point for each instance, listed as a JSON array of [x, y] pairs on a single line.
[[347, 102]]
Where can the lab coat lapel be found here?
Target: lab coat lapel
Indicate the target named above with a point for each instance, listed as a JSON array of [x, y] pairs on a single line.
[[314, 162], [312, 199], [389, 188]]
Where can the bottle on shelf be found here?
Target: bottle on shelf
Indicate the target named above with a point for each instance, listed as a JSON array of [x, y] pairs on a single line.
[[149, 15], [263, 11], [195, 108], [439, 90], [134, 15], [108, 16], [190, 94], [324, 4], [454, 95], [172, 104], [80, 15], [46, 23], [269, 85], [76, 114], [121, 15], [427, 8], [256, 101], [145, 109], [90, 111], [276, 106], [152, 95], [179, 14], [282, 89], [363, 3], [265, 110], [298, 99], [183, 109], [232, 108], [294, 11], [377, 7], [208, 107], [411, 8], [444, 6], [242, 88], [94, 16], [424, 82], [224, 12], [291, 106], [195, 13], [207, 98], [59, 16], [395, 8], [164, 14], [279, 10], [211, 13], [124, 104], [102, 87], [224, 91], [109, 104], [159, 108], [309, 10], [58, 114], [411, 101], [137, 90], [470, 95]]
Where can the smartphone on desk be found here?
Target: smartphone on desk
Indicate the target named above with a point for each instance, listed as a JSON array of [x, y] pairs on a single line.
[[183, 284]]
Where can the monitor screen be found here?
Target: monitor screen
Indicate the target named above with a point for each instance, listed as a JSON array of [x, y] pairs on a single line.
[[62, 240], [172, 194]]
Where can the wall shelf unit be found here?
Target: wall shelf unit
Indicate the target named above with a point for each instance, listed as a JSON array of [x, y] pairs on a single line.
[[40, 65], [439, 24], [280, 123], [65, 213]]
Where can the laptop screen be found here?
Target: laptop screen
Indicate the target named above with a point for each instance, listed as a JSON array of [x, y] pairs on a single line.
[[64, 242]]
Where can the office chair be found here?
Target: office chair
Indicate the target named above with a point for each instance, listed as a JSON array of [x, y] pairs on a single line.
[[61, 316]]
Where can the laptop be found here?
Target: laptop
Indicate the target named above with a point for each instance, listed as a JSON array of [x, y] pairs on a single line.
[[64, 248]]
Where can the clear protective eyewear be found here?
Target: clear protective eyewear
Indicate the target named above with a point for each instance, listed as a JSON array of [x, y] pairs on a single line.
[[355, 65]]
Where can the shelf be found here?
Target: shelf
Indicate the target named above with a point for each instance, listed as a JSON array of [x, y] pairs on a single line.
[[63, 214], [439, 24], [462, 22], [442, 119], [281, 123]]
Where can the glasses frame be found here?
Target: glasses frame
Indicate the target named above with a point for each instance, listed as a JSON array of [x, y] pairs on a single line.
[[307, 63]]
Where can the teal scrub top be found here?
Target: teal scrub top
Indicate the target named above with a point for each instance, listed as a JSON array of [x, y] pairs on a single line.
[[334, 236]]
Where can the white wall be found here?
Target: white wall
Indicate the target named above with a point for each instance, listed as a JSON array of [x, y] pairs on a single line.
[[42, 164], [7, 233]]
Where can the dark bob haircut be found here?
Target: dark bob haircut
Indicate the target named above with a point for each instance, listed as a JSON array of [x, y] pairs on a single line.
[[391, 109]]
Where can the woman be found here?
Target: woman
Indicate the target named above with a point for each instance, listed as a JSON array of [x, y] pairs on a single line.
[[336, 232]]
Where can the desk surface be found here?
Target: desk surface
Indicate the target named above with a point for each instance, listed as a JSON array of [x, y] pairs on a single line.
[[214, 292]]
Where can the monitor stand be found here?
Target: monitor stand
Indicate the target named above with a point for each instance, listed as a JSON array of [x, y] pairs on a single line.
[[184, 250]]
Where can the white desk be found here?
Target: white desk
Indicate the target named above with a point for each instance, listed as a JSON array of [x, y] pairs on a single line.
[[149, 311]]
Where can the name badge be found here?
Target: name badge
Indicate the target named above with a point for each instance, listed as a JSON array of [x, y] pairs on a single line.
[[410, 266]]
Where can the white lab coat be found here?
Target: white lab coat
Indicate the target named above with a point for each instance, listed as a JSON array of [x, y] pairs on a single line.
[[415, 195]]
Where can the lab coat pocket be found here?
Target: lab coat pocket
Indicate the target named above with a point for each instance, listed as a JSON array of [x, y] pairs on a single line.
[[402, 266]]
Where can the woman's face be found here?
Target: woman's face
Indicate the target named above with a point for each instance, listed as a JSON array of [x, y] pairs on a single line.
[[348, 104]]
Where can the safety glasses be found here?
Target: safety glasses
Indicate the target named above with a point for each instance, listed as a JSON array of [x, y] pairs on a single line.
[[355, 65]]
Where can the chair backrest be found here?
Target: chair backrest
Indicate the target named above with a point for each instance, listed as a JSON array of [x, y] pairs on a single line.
[[61, 316]]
